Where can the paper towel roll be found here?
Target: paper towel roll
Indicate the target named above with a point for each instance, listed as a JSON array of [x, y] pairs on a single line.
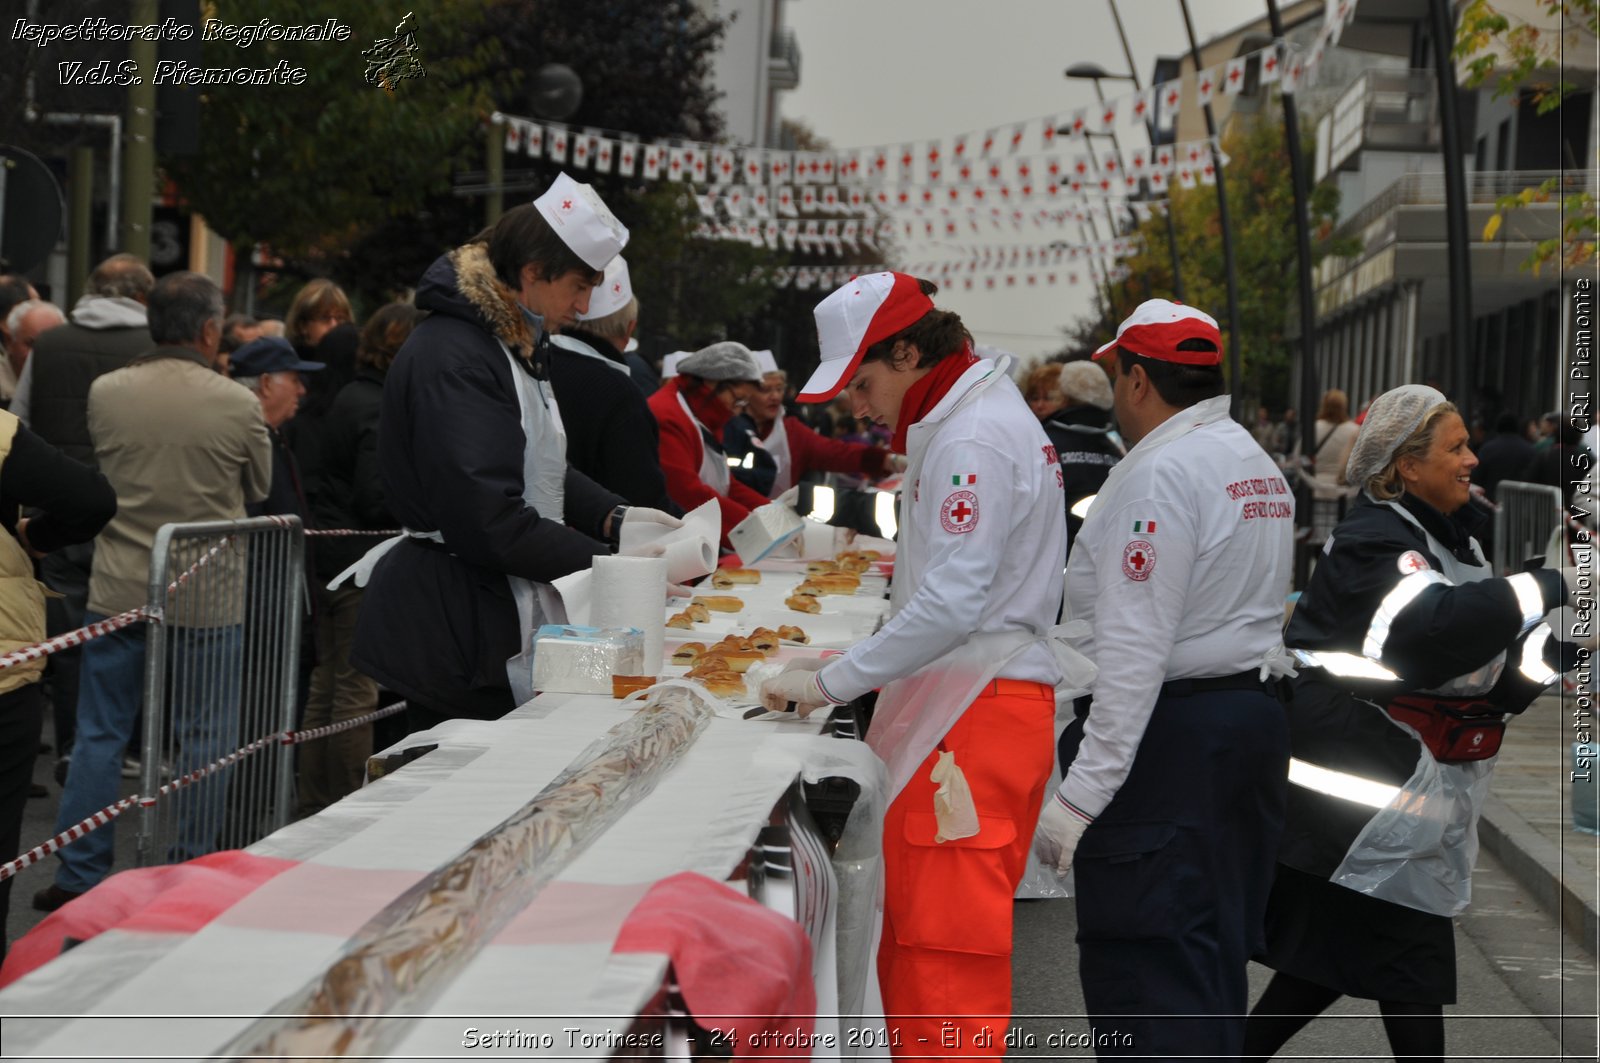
[[691, 551], [632, 592]]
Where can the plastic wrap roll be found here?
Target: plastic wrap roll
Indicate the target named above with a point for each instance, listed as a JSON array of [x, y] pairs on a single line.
[[406, 954], [630, 592]]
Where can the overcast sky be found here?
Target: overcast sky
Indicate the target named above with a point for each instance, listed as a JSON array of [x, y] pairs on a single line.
[[889, 71]]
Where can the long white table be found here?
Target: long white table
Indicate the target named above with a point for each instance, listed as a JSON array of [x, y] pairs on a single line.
[[552, 964]]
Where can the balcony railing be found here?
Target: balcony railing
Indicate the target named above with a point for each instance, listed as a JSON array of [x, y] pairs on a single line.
[[1386, 110], [783, 67]]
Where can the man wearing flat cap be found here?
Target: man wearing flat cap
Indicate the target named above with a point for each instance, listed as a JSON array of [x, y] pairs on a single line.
[[270, 367], [1174, 769], [473, 458]]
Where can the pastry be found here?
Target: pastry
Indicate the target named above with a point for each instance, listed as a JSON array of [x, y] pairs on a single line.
[[766, 640], [719, 603], [793, 634], [815, 568], [697, 612], [724, 578], [856, 565], [722, 684], [681, 620], [686, 653], [741, 660], [836, 583], [623, 685], [709, 662], [809, 587], [803, 603]]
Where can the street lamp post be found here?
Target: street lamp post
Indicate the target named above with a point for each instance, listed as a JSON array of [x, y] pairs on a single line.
[[1096, 73], [1235, 333]]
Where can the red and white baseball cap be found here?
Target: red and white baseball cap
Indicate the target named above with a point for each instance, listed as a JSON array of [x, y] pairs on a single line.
[[612, 293], [866, 310], [1156, 328], [584, 223]]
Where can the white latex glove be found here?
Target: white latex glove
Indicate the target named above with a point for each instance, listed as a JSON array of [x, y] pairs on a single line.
[[807, 664], [678, 590], [799, 687], [1276, 664], [645, 515], [1057, 836], [898, 463]]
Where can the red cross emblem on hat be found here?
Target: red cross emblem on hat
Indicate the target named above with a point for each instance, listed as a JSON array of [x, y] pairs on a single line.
[[566, 204], [616, 288]]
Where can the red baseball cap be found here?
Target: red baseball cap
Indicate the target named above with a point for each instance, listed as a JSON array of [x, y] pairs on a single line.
[[866, 310], [1156, 328]]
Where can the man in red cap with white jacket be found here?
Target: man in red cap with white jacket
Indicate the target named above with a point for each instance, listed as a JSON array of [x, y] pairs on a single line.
[[1174, 780], [966, 662]]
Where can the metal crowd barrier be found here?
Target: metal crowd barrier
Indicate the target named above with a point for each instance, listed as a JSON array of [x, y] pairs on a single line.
[[221, 663], [1528, 515]]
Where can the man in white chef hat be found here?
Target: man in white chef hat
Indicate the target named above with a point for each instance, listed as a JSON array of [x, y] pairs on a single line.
[[474, 456]]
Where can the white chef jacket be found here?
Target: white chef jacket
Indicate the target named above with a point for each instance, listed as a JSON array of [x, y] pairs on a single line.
[[1181, 569], [982, 531]]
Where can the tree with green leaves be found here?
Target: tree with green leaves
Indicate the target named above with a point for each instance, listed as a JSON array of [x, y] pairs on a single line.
[[1523, 60], [1264, 245]]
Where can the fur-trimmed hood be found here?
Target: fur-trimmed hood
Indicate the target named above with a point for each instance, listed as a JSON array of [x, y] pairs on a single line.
[[462, 284]]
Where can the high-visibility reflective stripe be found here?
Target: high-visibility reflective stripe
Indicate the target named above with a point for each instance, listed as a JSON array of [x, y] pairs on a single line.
[[1341, 784], [1347, 665], [1532, 664], [1080, 508], [1400, 596], [1529, 598]]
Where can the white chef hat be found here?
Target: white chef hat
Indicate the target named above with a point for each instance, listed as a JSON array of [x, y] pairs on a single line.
[[766, 362], [611, 294], [584, 223], [1390, 420]]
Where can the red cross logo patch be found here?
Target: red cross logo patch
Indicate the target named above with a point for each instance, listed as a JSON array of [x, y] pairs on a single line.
[[959, 514], [1138, 560]]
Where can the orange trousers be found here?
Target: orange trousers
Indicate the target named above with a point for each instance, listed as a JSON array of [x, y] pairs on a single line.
[[945, 959]]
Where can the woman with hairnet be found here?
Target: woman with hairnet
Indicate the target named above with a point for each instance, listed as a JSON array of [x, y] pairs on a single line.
[[713, 384], [1412, 657]]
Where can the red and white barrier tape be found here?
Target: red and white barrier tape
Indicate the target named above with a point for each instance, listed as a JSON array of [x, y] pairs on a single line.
[[389, 534], [111, 812], [73, 638], [68, 640]]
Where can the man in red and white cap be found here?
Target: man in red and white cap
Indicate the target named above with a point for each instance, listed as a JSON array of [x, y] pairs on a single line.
[[1174, 771], [966, 662]]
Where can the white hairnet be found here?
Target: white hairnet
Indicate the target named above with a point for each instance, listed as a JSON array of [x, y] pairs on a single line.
[[721, 361], [1390, 420]]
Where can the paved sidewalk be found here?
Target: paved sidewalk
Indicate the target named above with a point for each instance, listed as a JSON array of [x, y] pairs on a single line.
[[1527, 820]]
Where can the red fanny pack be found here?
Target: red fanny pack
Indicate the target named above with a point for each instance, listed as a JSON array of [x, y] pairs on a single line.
[[1455, 732]]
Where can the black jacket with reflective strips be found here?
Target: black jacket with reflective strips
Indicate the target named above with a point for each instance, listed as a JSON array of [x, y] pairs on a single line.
[[1444, 632]]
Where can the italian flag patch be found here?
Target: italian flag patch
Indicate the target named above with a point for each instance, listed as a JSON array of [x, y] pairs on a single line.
[[961, 479], [1146, 526]]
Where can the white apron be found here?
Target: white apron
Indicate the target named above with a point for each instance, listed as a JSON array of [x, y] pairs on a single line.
[[578, 347], [916, 712], [713, 465], [777, 445], [544, 487], [1419, 850]]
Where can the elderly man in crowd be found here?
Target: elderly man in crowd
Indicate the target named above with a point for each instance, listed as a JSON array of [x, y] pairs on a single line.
[[107, 328], [14, 289], [179, 442], [27, 321]]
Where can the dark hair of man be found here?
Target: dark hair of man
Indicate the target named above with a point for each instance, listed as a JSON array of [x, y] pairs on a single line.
[[230, 331], [936, 335], [522, 237], [180, 305], [122, 275], [1178, 385], [384, 332]]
